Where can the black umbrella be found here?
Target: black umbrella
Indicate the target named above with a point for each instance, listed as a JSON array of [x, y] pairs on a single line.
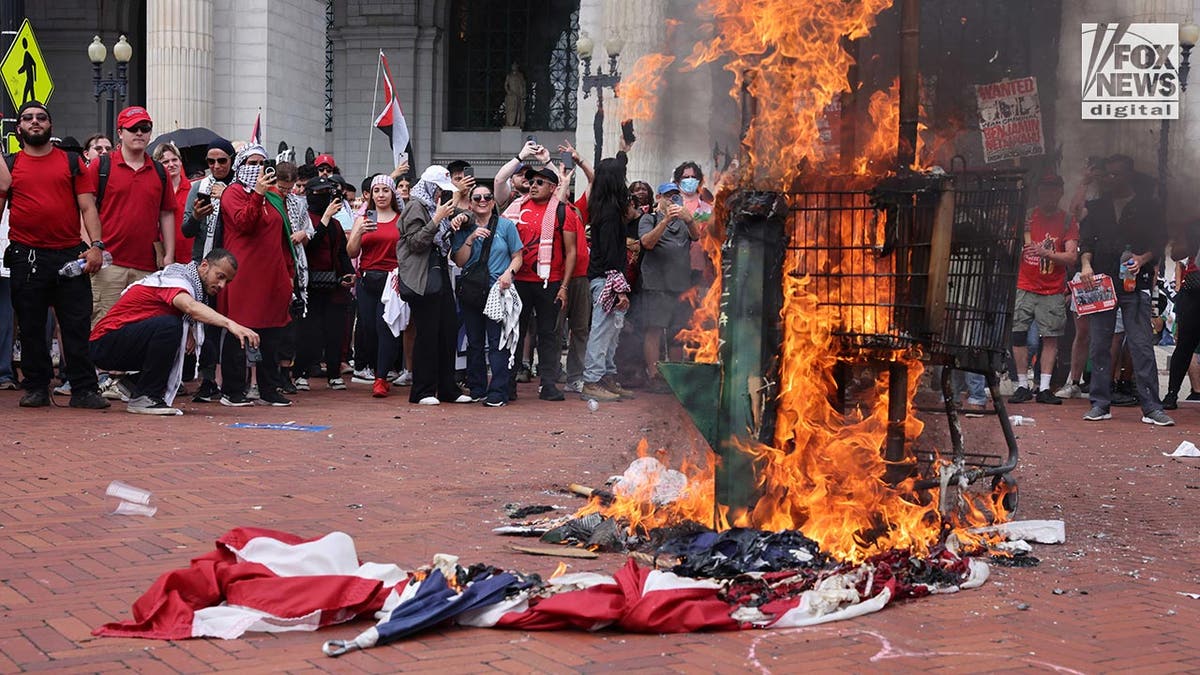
[[192, 143]]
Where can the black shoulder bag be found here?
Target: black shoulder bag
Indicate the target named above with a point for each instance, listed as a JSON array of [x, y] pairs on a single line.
[[476, 281]]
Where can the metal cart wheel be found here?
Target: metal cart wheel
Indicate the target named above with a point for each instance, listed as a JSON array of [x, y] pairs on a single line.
[[1012, 495]]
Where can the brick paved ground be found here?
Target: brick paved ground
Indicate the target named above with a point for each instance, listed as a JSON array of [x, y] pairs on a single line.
[[435, 480]]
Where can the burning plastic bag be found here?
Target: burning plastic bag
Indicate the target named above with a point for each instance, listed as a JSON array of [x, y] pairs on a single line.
[[649, 478]]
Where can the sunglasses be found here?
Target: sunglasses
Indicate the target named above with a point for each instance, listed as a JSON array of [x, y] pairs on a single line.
[[29, 117], [213, 161], [143, 128], [324, 168], [481, 198], [542, 181]]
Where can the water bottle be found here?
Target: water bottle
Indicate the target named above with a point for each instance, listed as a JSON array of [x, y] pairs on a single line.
[[1021, 421], [74, 268], [1128, 280]]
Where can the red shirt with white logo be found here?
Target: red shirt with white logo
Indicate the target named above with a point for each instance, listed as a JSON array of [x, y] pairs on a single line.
[[529, 227], [138, 303], [43, 209], [129, 215], [1041, 275]]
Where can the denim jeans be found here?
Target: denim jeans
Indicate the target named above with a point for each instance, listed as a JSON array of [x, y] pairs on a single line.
[[1135, 308], [483, 337], [600, 359]]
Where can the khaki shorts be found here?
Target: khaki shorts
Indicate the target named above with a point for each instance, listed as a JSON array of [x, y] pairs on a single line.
[[107, 285], [1049, 311]]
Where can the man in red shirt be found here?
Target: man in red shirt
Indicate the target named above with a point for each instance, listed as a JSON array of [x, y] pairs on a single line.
[[48, 197], [255, 231], [549, 250], [1051, 246], [135, 209], [146, 330]]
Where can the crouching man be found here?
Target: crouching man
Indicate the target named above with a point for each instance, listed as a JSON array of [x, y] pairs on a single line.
[[157, 321]]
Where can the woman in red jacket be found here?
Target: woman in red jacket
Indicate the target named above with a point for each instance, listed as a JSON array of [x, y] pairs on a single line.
[[168, 155], [374, 236]]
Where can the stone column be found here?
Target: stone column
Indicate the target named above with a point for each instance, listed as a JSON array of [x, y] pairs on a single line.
[[179, 63]]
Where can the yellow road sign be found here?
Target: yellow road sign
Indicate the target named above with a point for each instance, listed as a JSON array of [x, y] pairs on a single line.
[[24, 69]]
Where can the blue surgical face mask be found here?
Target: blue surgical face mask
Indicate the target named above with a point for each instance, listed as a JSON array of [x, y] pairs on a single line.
[[689, 185]]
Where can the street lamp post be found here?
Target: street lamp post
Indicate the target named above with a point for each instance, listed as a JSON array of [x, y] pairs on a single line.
[[599, 81], [114, 88], [1189, 35]]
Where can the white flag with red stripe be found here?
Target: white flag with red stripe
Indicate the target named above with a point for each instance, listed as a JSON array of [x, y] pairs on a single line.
[[391, 121]]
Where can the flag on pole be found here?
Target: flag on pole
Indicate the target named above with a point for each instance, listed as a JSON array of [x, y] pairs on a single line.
[[256, 135], [391, 121]]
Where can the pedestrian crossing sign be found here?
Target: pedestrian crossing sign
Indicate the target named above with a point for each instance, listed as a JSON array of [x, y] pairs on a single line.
[[24, 69]]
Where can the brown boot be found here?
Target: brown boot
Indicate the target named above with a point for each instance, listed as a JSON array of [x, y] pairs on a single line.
[[593, 391], [610, 383]]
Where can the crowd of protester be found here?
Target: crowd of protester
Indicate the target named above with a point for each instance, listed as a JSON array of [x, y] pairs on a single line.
[[1113, 230], [258, 279]]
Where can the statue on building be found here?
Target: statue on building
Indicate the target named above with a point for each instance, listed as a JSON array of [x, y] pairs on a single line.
[[514, 97]]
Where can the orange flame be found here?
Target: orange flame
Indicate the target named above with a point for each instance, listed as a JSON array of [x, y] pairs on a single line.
[[823, 473], [638, 90]]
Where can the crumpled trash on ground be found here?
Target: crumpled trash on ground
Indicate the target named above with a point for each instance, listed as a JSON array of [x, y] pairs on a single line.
[[1037, 531], [1185, 449], [648, 475]]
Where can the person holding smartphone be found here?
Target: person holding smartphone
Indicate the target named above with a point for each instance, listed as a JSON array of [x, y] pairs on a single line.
[[666, 236], [374, 236], [255, 231], [330, 277]]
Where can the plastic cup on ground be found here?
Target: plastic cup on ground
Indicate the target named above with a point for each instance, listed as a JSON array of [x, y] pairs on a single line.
[[127, 492], [130, 509]]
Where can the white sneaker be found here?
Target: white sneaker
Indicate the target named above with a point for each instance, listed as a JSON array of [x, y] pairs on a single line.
[[1069, 390], [404, 379], [364, 376], [114, 391], [337, 383], [302, 383], [464, 398], [64, 389], [431, 400], [252, 392], [145, 405], [576, 386]]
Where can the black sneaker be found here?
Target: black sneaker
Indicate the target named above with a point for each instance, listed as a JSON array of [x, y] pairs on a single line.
[[495, 404], [208, 392], [1021, 395], [91, 400], [277, 400], [288, 387], [236, 400], [1170, 401], [549, 392], [1193, 397], [38, 398], [524, 374], [1046, 396]]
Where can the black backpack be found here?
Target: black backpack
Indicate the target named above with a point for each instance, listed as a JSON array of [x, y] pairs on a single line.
[[106, 165], [72, 164]]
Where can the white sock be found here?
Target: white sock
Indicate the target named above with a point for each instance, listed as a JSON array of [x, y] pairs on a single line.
[[1023, 380], [1045, 382]]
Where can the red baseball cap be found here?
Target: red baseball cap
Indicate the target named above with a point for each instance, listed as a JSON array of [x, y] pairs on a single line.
[[324, 159], [132, 115]]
